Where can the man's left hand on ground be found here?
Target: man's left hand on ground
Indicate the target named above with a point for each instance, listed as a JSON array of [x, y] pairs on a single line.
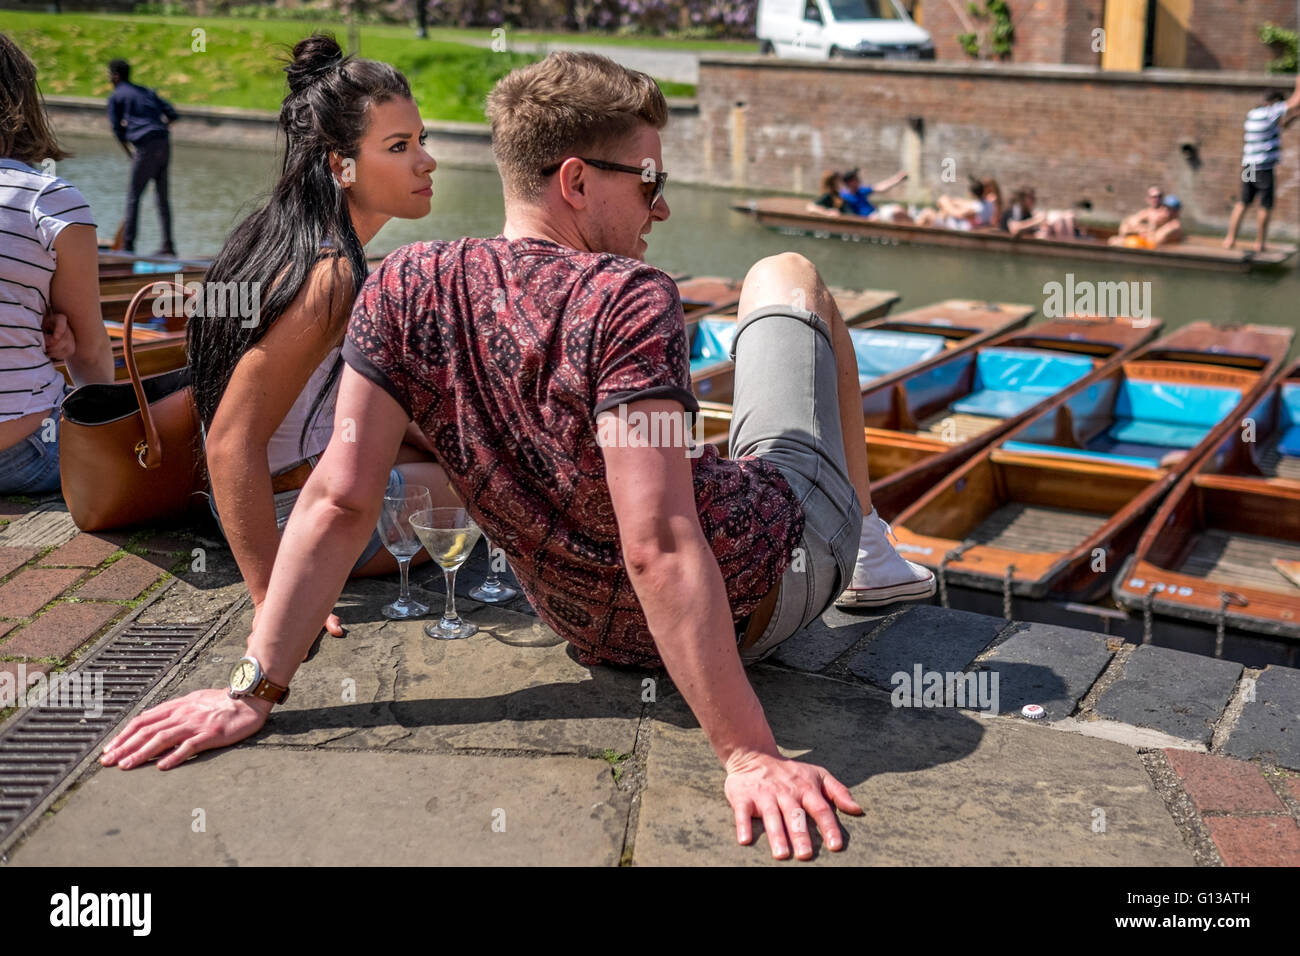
[[784, 794]]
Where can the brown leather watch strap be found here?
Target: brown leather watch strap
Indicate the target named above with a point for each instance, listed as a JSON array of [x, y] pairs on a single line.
[[275, 693]]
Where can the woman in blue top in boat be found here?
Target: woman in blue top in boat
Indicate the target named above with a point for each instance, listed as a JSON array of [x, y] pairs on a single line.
[[266, 390]]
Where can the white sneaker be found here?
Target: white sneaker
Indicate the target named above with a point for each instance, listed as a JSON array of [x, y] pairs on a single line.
[[881, 576]]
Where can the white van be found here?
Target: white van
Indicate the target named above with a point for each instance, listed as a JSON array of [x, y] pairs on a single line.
[[830, 29]]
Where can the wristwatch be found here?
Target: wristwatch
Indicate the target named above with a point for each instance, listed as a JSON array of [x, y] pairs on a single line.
[[246, 680]]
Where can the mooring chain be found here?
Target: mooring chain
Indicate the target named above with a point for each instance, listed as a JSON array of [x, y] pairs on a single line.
[[1146, 614], [952, 555], [1225, 598], [1006, 591]]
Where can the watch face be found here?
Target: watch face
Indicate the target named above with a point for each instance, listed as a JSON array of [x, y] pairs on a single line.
[[243, 676]]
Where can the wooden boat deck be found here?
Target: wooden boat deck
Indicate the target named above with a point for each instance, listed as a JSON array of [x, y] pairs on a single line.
[[1036, 529], [1240, 560], [957, 427], [1276, 465]]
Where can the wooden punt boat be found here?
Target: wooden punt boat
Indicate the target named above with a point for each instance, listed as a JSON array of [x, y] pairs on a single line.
[[1224, 548], [920, 428], [1050, 511], [790, 215], [888, 348]]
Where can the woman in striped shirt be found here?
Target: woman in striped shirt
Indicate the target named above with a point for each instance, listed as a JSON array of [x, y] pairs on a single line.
[[49, 263]]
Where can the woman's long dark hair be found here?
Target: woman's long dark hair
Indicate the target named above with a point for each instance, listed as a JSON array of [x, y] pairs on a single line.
[[279, 245]]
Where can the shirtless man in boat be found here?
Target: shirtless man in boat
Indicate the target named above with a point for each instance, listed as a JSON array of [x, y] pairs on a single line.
[[1144, 218], [638, 553], [1165, 227]]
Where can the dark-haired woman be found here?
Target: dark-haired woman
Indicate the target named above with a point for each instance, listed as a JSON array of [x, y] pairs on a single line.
[[265, 390], [49, 263]]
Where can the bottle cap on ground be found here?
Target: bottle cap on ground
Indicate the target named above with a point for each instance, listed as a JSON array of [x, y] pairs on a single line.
[[1032, 711]]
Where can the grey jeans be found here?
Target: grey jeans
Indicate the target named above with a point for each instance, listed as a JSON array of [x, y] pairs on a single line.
[[786, 411]]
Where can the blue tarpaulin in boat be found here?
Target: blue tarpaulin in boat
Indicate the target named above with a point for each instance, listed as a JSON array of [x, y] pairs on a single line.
[[712, 343], [1008, 381], [881, 351], [1290, 421]]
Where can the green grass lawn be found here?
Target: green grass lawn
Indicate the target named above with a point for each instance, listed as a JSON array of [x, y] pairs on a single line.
[[241, 65]]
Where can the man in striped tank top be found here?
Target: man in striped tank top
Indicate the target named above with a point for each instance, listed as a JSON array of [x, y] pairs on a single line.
[[1260, 155]]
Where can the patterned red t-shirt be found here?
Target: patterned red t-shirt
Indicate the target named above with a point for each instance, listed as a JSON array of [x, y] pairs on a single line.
[[503, 352]]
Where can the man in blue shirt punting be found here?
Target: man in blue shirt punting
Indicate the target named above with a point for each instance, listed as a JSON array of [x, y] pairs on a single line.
[[139, 118], [855, 194]]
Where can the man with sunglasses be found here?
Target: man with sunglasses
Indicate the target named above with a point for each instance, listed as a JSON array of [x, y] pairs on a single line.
[[525, 359]]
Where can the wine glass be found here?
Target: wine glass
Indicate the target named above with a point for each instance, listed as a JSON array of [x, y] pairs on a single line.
[[400, 539], [449, 535], [491, 590]]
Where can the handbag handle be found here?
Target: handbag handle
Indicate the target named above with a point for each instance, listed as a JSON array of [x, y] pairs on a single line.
[[149, 452]]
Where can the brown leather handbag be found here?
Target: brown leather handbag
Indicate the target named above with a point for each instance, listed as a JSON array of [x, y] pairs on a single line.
[[130, 452]]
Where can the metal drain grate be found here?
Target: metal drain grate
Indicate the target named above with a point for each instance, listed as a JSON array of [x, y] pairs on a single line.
[[44, 744]]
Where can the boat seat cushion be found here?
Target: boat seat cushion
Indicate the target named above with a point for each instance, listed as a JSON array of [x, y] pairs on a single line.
[[997, 404], [1290, 421], [1009, 381], [1084, 454], [881, 351], [1168, 414]]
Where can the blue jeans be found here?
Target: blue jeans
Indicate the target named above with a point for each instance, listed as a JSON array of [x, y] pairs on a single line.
[[31, 467]]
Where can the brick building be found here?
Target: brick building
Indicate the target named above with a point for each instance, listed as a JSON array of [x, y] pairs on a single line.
[[1174, 34]]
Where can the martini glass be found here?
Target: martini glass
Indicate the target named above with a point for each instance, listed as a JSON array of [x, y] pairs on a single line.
[[449, 535], [394, 527], [492, 591]]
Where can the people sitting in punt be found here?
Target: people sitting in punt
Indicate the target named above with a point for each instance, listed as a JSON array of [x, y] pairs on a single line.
[[982, 210], [829, 201], [1023, 218]]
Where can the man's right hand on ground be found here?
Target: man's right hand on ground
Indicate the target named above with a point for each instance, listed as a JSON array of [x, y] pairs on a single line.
[[784, 794], [203, 720]]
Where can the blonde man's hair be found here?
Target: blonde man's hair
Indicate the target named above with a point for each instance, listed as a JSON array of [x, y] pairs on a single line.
[[569, 104]]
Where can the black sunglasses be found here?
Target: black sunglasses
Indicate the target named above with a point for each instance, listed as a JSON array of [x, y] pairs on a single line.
[[661, 179]]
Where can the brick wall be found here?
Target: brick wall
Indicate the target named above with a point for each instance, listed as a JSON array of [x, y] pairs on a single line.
[[1047, 31], [1224, 34], [1073, 133]]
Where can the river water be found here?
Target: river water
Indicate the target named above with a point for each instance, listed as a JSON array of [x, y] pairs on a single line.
[[213, 188]]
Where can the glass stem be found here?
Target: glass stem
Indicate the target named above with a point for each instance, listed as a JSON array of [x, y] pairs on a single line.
[[404, 565], [449, 615]]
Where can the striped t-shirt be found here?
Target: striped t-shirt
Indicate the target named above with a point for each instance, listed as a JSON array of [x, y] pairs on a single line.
[[1264, 136], [34, 209]]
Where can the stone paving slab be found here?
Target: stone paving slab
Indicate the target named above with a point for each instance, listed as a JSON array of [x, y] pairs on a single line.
[[826, 639], [940, 787], [1179, 693], [1269, 726], [264, 806], [1047, 665], [409, 691], [939, 639]]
